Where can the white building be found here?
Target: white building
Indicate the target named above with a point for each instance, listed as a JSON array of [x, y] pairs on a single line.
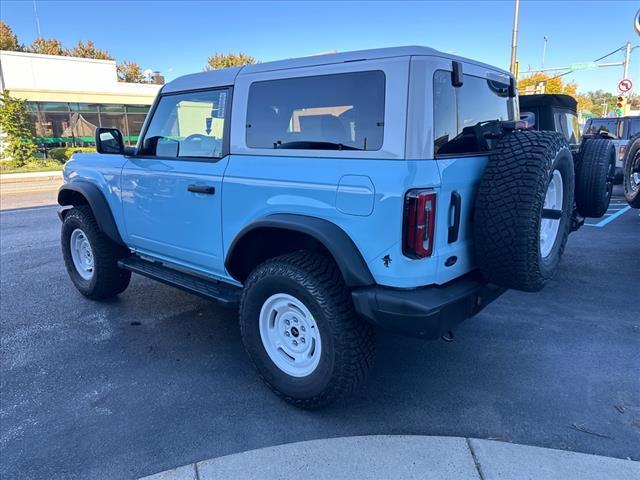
[[68, 97]]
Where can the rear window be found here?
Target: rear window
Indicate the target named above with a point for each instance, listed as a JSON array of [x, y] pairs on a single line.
[[610, 125], [458, 110], [567, 124], [633, 127], [326, 112]]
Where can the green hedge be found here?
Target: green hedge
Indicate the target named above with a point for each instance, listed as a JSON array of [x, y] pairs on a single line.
[[62, 154]]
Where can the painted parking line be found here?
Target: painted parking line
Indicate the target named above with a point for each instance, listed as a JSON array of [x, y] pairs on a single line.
[[608, 218]]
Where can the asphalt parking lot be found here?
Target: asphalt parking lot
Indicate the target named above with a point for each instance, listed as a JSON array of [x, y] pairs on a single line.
[[158, 378]]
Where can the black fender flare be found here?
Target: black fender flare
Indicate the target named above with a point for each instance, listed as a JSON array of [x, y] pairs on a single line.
[[68, 195], [353, 267]]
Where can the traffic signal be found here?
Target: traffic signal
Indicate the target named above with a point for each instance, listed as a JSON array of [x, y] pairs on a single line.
[[621, 105]]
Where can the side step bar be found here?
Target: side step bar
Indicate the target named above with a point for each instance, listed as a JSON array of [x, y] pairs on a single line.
[[227, 295]]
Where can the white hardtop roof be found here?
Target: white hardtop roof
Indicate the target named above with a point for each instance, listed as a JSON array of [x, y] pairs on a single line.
[[227, 76]]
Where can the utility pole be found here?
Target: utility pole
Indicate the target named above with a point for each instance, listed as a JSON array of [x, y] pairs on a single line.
[[627, 56], [35, 10], [514, 39], [544, 50]]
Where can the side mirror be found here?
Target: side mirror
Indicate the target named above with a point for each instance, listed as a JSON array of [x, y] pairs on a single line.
[[109, 140]]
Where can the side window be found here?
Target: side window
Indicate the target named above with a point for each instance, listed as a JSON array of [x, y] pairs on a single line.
[[187, 125], [478, 100], [327, 112], [634, 127], [445, 117], [567, 124]]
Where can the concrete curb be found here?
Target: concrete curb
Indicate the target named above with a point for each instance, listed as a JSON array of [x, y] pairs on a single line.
[[405, 457], [30, 177]]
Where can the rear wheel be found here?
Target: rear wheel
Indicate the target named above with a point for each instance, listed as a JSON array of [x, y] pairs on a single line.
[[523, 209], [595, 177], [632, 172], [91, 258], [301, 332]]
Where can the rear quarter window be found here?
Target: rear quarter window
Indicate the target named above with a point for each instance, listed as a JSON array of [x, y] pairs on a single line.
[[458, 109], [325, 112]]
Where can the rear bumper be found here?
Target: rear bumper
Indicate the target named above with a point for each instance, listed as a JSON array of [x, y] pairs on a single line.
[[427, 312]]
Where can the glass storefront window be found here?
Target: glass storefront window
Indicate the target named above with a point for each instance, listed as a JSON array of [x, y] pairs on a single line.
[[74, 124], [55, 124], [83, 125], [53, 107], [113, 120], [83, 107], [135, 123], [138, 109], [112, 108]]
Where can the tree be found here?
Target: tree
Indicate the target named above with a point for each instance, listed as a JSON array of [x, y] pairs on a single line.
[[130, 72], [8, 39], [585, 104], [14, 126], [46, 46], [552, 84], [88, 50], [601, 102], [222, 60]]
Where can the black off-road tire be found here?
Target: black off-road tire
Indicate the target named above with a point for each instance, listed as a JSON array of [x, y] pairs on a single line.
[[631, 169], [107, 280], [347, 341], [509, 204], [595, 176]]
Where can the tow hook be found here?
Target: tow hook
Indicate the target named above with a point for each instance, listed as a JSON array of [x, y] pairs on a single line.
[[448, 337]]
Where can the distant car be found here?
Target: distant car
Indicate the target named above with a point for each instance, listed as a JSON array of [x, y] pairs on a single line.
[[594, 155], [555, 113], [620, 129]]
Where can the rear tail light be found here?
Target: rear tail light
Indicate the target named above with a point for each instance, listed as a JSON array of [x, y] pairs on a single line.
[[419, 223], [623, 148]]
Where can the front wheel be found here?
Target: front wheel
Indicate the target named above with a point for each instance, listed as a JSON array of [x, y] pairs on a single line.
[[91, 257], [301, 332]]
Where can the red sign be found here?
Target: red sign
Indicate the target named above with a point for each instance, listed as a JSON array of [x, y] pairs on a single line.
[[625, 85]]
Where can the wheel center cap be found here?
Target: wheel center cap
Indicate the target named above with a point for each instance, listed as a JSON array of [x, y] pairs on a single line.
[[294, 331]]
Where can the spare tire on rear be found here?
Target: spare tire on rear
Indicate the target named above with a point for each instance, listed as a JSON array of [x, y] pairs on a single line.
[[595, 176], [523, 209]]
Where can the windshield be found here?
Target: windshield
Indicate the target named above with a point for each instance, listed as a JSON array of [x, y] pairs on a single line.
[[610, 125]]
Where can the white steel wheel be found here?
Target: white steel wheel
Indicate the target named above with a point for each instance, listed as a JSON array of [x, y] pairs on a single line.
[[549, 227], [290, 335], [81, 254]]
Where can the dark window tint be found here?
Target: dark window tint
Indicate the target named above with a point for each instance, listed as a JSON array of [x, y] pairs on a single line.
[[633, 127], [328, 112], [445, 117], [609, 125], [187, 125], [481, 100], [459, 112]]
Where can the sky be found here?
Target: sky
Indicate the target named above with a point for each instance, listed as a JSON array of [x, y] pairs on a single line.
[[176, 38]]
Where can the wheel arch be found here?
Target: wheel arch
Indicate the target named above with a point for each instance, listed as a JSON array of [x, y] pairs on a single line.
[[278, 234], [86, 193]]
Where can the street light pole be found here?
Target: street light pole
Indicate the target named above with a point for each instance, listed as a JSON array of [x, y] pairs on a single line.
[[544, 50], [514, 39], [627, 56]]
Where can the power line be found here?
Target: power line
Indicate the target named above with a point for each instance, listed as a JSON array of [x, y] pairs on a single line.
[[596, 60]]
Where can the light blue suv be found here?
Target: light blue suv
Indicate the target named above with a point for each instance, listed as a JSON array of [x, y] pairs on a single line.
[[324, 196]]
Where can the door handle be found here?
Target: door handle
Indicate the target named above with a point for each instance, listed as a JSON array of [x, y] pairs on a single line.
[[456, 205], [206, 189]]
